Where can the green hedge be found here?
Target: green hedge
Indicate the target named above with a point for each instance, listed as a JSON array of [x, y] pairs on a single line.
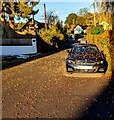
[[97, 30]]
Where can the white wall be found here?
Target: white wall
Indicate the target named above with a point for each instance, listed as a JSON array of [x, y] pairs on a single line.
[[17, 50]]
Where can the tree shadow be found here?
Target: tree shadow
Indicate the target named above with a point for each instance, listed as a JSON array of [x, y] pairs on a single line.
[[103, 107], [43, 47], [14, 62]]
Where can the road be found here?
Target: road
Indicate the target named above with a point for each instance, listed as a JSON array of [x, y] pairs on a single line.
[[41, 89]]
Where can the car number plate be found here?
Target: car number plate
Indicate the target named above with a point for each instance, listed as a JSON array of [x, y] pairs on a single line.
[[85, 67]]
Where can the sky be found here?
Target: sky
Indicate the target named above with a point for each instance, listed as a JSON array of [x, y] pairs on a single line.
[[62, 9]]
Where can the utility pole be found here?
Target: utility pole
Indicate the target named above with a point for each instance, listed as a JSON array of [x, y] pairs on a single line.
[[94, 14], [45, 16]]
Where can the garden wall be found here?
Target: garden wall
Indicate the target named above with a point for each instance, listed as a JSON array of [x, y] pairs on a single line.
[[17, 47]]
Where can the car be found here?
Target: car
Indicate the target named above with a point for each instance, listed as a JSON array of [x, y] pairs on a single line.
[[82, 40], [85, 58]]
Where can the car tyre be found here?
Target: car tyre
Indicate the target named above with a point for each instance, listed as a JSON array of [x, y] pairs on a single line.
[[67, 71]]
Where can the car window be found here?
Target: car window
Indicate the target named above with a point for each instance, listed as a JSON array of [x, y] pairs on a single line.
[[86, 49], [78, 49], [91, 49]]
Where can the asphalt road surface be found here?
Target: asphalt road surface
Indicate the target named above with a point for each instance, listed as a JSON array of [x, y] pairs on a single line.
[[41, 89]]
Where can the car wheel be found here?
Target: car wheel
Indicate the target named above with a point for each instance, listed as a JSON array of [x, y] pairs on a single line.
[[67, 71]]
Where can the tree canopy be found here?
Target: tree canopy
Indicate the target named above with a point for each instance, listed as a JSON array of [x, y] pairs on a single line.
[[15, 11], [52, 18], [83, 19], [71, 19]]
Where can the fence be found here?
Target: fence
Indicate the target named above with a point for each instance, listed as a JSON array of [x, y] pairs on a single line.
[[16, 42], [18, 46]]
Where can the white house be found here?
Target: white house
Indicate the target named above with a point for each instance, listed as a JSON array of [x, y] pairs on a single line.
[[78, 29]]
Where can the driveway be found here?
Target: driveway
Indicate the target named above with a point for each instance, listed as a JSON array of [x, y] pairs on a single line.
[[41, 89]]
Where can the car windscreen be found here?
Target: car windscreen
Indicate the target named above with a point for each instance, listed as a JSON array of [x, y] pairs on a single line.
[[85, 49], [91, 50]]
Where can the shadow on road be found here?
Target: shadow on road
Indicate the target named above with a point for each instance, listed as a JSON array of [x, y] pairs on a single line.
[[103, 107], [14, 62]]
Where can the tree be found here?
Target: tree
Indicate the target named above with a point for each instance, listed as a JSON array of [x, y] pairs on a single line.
[[71, 19], [105, 8], [81, 20], [83, 16], [70, 22], [82, 11], [33, 13], [16, 11], [52, 18], [88, 19], [59, 25]]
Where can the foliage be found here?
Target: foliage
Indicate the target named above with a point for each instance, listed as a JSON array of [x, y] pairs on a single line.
[[51, 36], [51, 18], [59, 26], [85, 19], [16, 11], [72, 28], [88, 17], [71, 19], [97, 30], [104, 12], [19, 26], [81, 20], [102, 41], [82, 11], [106, 6]]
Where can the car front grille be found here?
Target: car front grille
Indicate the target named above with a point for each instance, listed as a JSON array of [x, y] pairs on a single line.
[[85, 63]]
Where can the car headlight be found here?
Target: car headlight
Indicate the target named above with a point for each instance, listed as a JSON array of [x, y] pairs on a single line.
[[100, 62], [70, 61]]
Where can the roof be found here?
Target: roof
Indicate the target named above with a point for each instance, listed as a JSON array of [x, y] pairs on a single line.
[[40, 24], [78, 28]]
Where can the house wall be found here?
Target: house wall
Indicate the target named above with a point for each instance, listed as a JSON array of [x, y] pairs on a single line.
[[19, 49]]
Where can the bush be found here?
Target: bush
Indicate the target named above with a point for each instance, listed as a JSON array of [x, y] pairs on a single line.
[[102, 41], [52, 36], [97, 30]]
